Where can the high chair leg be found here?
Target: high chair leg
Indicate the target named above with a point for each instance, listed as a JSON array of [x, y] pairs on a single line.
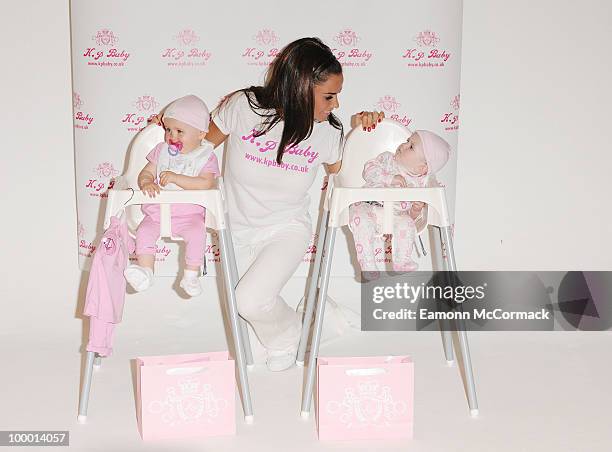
[[236, 328], [447, 335], [312, 290], [248, 353], [244, 328], [84, 398], [447, 244], [328, 250]]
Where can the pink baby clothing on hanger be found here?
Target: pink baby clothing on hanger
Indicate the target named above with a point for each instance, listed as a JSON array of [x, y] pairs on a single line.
[[106, 285]]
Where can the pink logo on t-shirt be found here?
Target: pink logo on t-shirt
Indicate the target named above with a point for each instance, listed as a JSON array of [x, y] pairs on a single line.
[[427, 54], [450, 120], [105, 57], [347, 52], [390, 106], [186, 54], [270, 145]]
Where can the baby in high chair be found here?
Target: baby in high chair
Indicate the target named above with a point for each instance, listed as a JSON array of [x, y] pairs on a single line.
[[183, 161], [424, 154]]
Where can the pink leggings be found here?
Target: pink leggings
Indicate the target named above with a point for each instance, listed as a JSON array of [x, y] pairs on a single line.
[[189, 227]]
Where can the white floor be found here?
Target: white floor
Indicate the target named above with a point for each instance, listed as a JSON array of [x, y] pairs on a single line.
[[545, 391]]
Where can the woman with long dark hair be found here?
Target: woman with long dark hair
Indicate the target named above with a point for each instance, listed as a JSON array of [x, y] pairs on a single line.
[[277, 136]]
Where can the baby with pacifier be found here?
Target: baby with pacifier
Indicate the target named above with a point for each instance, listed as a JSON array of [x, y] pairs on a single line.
[[183, 161]]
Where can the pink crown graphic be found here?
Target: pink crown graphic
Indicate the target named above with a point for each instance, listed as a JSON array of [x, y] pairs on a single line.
[[187, 37], [80, 229], [427, 38], [347, 38], [266, 37], [105, 37], [76, 100], [146, 103], [388, 103], [106, 169]]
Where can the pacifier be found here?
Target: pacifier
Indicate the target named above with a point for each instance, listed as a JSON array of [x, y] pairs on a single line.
[[174, 147]]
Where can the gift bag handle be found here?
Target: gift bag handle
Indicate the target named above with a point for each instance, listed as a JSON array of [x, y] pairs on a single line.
[[365, 372], [186, 370]]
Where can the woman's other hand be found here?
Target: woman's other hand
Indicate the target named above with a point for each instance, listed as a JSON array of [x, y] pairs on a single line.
[[367, 119]]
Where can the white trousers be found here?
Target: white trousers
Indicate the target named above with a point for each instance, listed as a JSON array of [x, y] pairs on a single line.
[[266, 259]]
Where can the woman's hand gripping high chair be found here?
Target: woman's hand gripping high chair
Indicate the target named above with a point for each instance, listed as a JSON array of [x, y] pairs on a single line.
[[346, 188], [126, 193]]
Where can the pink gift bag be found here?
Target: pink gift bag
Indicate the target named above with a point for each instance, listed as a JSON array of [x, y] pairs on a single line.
[[181, 396], [365, 397]]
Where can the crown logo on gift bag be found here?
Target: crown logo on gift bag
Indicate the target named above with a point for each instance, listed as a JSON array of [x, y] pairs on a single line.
[[188, 402], [367, 404], [189, 386]]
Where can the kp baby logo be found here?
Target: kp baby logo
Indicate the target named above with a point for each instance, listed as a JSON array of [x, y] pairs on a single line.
[[145, 106], [391, 107], [81, 119], [311, 251], [186, 53], [86, 248], [106, 54], [347, 52], [265, 50], [102, 181], [450, 120], [212, 250], [426, 53]]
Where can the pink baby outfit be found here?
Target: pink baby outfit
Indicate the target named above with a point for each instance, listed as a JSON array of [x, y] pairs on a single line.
[[374, 249], [106, 286], [187, 220]]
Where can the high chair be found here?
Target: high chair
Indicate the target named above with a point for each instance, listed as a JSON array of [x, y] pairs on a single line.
[[346, 188], [126, 195]]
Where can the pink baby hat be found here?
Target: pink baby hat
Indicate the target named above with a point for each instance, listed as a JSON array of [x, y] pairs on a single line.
[[436, 150], [191, 110]]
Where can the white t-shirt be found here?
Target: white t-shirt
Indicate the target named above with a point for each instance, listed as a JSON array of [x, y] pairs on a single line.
[[260, 192]]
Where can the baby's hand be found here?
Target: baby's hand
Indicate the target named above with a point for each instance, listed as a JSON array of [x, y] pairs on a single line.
[[167, 177], [399, 181], [151, 189]]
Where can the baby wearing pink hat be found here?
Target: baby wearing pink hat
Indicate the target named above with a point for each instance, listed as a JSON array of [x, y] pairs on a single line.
[[424, 154], [183, 161]]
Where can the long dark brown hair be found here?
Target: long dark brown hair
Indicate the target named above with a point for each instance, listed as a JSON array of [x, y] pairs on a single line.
[[288, 91]]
